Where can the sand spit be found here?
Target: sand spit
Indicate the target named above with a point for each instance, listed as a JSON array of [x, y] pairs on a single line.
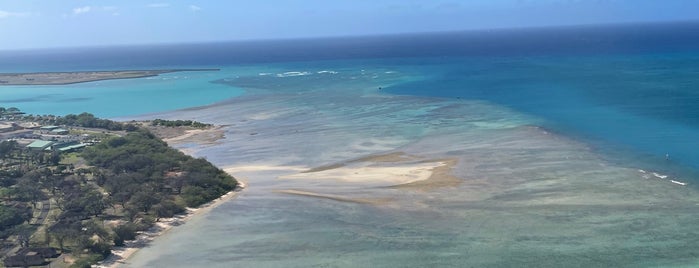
[[207, 136], [183, 135], [370, 201], [65, 78]]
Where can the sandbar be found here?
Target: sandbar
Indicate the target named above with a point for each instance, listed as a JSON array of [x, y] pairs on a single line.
[[396, 170]]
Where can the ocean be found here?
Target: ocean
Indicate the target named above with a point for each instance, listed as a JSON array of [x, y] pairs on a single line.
[[574, 146]]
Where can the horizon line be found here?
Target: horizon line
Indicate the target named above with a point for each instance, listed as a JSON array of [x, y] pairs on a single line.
[[376, 35]]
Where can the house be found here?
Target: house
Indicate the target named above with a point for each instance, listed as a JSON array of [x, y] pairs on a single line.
[[40, 145]]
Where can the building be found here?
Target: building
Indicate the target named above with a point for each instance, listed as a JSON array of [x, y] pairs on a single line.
[[59, 131], [68, 147], [47, 129], [40, 145]]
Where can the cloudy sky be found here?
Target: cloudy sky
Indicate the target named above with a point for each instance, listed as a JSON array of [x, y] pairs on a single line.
[[65, 23]]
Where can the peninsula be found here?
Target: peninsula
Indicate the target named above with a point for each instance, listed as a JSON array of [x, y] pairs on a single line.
[[65, 78]]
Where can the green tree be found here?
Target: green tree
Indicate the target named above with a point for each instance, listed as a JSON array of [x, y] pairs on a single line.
[[144, 200]]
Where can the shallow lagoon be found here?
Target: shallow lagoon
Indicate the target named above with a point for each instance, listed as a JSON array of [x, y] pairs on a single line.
[[528, 196], [113, 98]]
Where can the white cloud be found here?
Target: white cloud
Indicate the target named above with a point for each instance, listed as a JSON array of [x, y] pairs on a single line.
[[158, 5], [194, 8], [111, 9], [81, 10], [7, 14]]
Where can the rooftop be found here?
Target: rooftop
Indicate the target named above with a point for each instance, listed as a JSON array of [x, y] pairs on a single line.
[[71, 147], [49, 127], [39, 144]]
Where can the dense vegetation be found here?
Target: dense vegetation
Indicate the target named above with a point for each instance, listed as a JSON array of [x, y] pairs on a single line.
[[10, 111], [10, 217], [90, 121], [179, 123], [142, 167], [105, 194]]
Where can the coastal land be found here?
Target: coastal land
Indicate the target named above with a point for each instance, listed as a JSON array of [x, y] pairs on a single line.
[[86, 209], [173, 135], [120, 254], [66, 78]]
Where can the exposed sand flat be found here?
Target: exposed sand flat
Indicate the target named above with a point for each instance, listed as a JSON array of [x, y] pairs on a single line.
[[397, 170], [381, 158], [370, 201], [183, 135], [258, 168], [200, 136], [370, 173], [64, 78], [441, 177]]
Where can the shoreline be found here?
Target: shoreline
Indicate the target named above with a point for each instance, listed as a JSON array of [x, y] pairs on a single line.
[[120, 255], [68, 78]]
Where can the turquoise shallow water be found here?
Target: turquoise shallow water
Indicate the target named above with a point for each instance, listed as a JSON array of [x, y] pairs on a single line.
[[528, 197], [559, 145], [114, 98]]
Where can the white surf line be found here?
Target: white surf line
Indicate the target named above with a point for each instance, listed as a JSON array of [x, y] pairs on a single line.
[[660, 176], [678, 182]]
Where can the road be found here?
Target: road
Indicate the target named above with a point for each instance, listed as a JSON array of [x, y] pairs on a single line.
[[45, 208]]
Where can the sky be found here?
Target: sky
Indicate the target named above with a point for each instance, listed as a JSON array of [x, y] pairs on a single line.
[[26, 24]]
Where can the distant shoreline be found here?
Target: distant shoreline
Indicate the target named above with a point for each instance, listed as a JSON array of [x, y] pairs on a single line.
[[67, 78]]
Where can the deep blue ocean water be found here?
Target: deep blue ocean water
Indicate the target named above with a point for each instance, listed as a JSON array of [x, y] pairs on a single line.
[[626, 87]]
